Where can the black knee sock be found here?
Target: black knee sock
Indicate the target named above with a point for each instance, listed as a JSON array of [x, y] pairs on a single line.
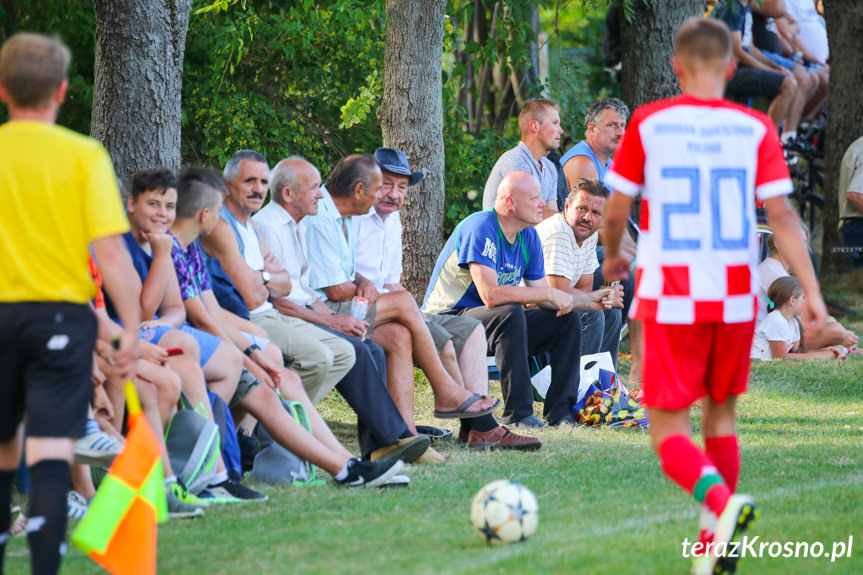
[[483, 423], [6, 478], [466, 426], [46, 517]]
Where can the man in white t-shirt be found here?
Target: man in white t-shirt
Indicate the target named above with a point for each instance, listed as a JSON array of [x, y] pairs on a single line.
[[813, 32], [569, 250], [851, 195]]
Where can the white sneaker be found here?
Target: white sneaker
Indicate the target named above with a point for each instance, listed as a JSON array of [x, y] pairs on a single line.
[[76, 505], [398, 481], [98, 449]]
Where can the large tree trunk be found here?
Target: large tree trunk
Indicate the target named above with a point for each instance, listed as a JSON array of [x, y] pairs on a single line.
[[646, 49], [138, 82], [411, 116], [845, 122]]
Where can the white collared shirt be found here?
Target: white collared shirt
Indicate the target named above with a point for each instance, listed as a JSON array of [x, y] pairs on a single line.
[[379, 248], [286, 240]]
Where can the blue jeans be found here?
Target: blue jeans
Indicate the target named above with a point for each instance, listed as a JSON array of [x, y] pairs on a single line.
[[600, 331]]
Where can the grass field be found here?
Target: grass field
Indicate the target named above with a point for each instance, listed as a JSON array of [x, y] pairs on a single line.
[[605, 507]]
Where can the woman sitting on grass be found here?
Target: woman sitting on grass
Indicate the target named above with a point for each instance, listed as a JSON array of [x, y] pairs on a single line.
[[778, 335]]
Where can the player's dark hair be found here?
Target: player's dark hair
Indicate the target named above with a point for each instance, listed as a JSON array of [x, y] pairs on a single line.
[[350, 171], [152, 180], [199, 188], [592, 186], [703, 39]]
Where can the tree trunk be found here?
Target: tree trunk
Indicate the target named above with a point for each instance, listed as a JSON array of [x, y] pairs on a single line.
[[138, 82], [411, 116], [845, 121], [646, 49]]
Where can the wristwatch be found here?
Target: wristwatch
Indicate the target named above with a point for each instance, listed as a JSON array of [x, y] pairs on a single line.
[[265, 275], [251, 349]]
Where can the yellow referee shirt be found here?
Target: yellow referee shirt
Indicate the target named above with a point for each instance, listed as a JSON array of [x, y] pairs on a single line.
[[58, 193]]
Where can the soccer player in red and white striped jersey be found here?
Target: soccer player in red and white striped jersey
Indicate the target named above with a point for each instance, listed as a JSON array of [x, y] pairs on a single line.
[[700, 164]]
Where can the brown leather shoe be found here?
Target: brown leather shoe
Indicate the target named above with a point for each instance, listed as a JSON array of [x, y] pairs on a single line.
[[501, 438]]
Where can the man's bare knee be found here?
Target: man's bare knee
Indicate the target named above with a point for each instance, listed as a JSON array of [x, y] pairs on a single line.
[[448, 351]]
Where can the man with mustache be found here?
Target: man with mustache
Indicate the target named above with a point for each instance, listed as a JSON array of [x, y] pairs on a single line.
[[569, 249], [605, 122], [479, 274], [539, 126], [319, 358]]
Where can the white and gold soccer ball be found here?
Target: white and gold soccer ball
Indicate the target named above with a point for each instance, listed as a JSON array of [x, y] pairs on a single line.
[[504, 512]]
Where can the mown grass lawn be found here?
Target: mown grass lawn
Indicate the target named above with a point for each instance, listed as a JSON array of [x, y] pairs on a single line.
[[605, 508]]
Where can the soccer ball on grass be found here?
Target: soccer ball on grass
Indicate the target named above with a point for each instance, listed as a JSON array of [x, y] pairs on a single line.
[[504, 512]]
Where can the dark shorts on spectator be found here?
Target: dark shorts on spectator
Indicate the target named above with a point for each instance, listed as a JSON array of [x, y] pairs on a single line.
[[754, 83]]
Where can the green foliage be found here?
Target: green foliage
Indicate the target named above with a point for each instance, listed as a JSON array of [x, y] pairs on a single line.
[[577, 74], [357, 110], [469, 158], [283, 80], [306, 77]]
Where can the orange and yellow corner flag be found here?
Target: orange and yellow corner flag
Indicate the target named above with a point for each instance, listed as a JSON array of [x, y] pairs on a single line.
[[119, 531]]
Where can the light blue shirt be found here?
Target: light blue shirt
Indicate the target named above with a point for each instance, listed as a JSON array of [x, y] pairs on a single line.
[[583, 149], [330, 242]]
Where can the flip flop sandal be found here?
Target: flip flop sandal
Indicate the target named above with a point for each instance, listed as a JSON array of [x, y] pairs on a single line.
[[460, 413]]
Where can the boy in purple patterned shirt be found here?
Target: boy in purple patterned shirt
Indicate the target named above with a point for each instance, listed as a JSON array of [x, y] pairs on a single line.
[[191, 269]]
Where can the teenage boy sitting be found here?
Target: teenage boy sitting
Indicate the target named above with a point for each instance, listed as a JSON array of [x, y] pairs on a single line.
[[152, 200]]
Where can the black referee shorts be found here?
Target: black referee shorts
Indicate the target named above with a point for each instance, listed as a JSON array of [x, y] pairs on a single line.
[[46, 355]]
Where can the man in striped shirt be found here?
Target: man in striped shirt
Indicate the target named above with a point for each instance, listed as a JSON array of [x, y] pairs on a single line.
[[569, 250]]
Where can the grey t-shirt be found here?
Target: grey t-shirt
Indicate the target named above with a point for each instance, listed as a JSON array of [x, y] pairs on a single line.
[[519, 159]]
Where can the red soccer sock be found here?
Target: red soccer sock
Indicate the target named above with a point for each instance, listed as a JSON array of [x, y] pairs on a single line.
[[724, 452], [689, 467]]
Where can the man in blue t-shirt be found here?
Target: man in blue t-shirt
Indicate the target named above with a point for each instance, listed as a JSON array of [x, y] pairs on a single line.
[[479, 273]]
